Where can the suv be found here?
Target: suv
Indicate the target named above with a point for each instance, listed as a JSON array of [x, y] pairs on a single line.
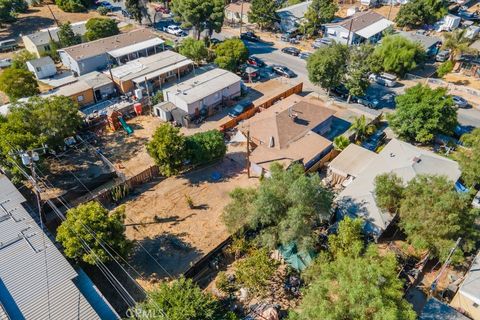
[[442, 56], [385, 79], [249, 36], [173, 29], [240, 108], [8, 45]]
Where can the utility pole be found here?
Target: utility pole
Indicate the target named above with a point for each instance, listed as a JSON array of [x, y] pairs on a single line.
[[433, 286], [241, 16], [53, 16], [349, 31], [248, 153]]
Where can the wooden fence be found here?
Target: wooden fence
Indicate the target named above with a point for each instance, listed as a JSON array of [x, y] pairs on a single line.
[[259, 104]]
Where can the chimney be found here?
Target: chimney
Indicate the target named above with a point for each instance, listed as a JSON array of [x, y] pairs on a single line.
[[271, 144]]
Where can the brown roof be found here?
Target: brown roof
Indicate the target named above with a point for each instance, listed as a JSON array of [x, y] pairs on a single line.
[[359, 20], [286, 121], [96, 47], [236, 7]]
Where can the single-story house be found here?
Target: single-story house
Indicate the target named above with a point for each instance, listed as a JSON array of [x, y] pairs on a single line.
[[115, 50], [157, 69], [362, 27], [437, 310], [398, 157], [237, 11], [39, 42], [467, 298], [204, 92], [27, 291], [448, 23], [42, 67], [290, 131], [430, 44], [291, 16], [469, 65], [89, 89]]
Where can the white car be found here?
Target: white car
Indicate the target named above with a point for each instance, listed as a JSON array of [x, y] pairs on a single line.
[[173, 29], [384, 79]]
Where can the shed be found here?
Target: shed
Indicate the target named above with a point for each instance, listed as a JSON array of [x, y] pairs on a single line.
[[42, 68], [350, 162]]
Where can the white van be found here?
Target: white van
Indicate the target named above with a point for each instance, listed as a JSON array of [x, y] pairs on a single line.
[[8, 45], [385, 79]]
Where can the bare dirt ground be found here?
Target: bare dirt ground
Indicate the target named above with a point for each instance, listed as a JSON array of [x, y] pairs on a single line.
[[40, 17], [129, 153], [159, 218]]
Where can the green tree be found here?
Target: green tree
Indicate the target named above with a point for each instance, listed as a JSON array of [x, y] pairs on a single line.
[[340, 143], [204, 147], [100, 28], [255, 271], [398, 54], [263, 13], [230, 54], [181, 300], [319, 12], [194, 49], [359, 287], [285, 209], [348, 242], [199, 14], [52, 52], [358, 69], [458, 43], [433, 215], [327, 66], [73, 5], [422, 112], [18, 83], [20, 58], [167, 148], [93, 225], [9, 9], [361, 128], [468, 157], [416, 14], [136, 9], [238, 212], [66, 36], [445, 68], [157, 98], [388, 191]]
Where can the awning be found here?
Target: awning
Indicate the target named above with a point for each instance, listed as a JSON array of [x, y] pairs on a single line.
[[374, 28], [159, 72], [136, 47]]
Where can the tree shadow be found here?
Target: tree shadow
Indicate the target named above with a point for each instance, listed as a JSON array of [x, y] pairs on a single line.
[[163, 256], [25, 26]]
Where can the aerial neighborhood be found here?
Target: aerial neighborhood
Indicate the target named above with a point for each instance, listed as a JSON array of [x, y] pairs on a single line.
[[240, 159]]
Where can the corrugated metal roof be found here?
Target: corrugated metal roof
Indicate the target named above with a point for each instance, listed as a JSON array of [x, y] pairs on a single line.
[[23, 278]]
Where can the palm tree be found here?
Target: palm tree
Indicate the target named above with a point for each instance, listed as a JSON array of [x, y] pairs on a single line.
[[340, 143], [361, 128], [457, 42]]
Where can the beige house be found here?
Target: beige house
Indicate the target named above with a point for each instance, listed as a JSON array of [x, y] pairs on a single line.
[[237, 11], [467, 298]]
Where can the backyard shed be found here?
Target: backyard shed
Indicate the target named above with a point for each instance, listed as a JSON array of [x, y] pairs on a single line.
[[42, 68]]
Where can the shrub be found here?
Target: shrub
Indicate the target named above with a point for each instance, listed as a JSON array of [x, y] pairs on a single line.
[[445, 68]]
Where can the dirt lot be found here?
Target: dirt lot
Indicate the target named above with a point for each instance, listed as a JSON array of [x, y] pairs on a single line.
[[39, 17], [159, 217], [129, 153]]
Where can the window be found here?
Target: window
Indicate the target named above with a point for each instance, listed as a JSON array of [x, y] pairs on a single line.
[[38, 69], [80, 98], [46, 47], [475, 305]]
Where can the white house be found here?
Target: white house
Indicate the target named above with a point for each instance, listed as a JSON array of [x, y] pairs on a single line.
[[290, 17], [467, 297], [362, 27], [42, 68], [205, 91]]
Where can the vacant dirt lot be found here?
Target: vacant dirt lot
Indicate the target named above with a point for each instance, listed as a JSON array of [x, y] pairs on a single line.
[[129, 153], [40, 17], [160, 219]]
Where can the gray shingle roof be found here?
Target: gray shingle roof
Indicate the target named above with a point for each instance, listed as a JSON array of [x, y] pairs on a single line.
[[36, 63], [23, 280], [296, 11], [43, 36]]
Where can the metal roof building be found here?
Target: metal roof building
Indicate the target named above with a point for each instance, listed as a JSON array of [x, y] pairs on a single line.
[[26, 253]]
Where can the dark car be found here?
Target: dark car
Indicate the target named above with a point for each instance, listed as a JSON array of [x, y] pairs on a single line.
[[240, 108], [460, 102], [126, 14], [340, 91], [255, 62], [291, 50], [249, 36], [369, 102], [215, 41], [375, 140], [284, 71]]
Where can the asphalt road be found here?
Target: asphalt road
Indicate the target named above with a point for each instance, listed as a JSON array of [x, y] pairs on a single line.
[[271, 55]]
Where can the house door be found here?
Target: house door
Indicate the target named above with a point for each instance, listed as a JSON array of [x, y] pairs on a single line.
[[98, 95]]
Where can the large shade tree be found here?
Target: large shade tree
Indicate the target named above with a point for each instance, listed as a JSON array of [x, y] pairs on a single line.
[[416, 14], [263, 13], [18, 83], [100, 28], [199, 14], [230, 54], [422, 112], [468, 157], [458, 43]]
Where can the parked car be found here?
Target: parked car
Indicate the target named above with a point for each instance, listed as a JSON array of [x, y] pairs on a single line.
[[5, 63], [321, 42], [442, 56], [126, 14], [106, 5], [284, 71], [369, 102], [384, 79], [255, 62], [161, 9], [291, 50], [215, 41], [249, 36], [340, 91], [375, 140], [8, 45], [460, 102], [240, 108], [173, 29], [304, 55]]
